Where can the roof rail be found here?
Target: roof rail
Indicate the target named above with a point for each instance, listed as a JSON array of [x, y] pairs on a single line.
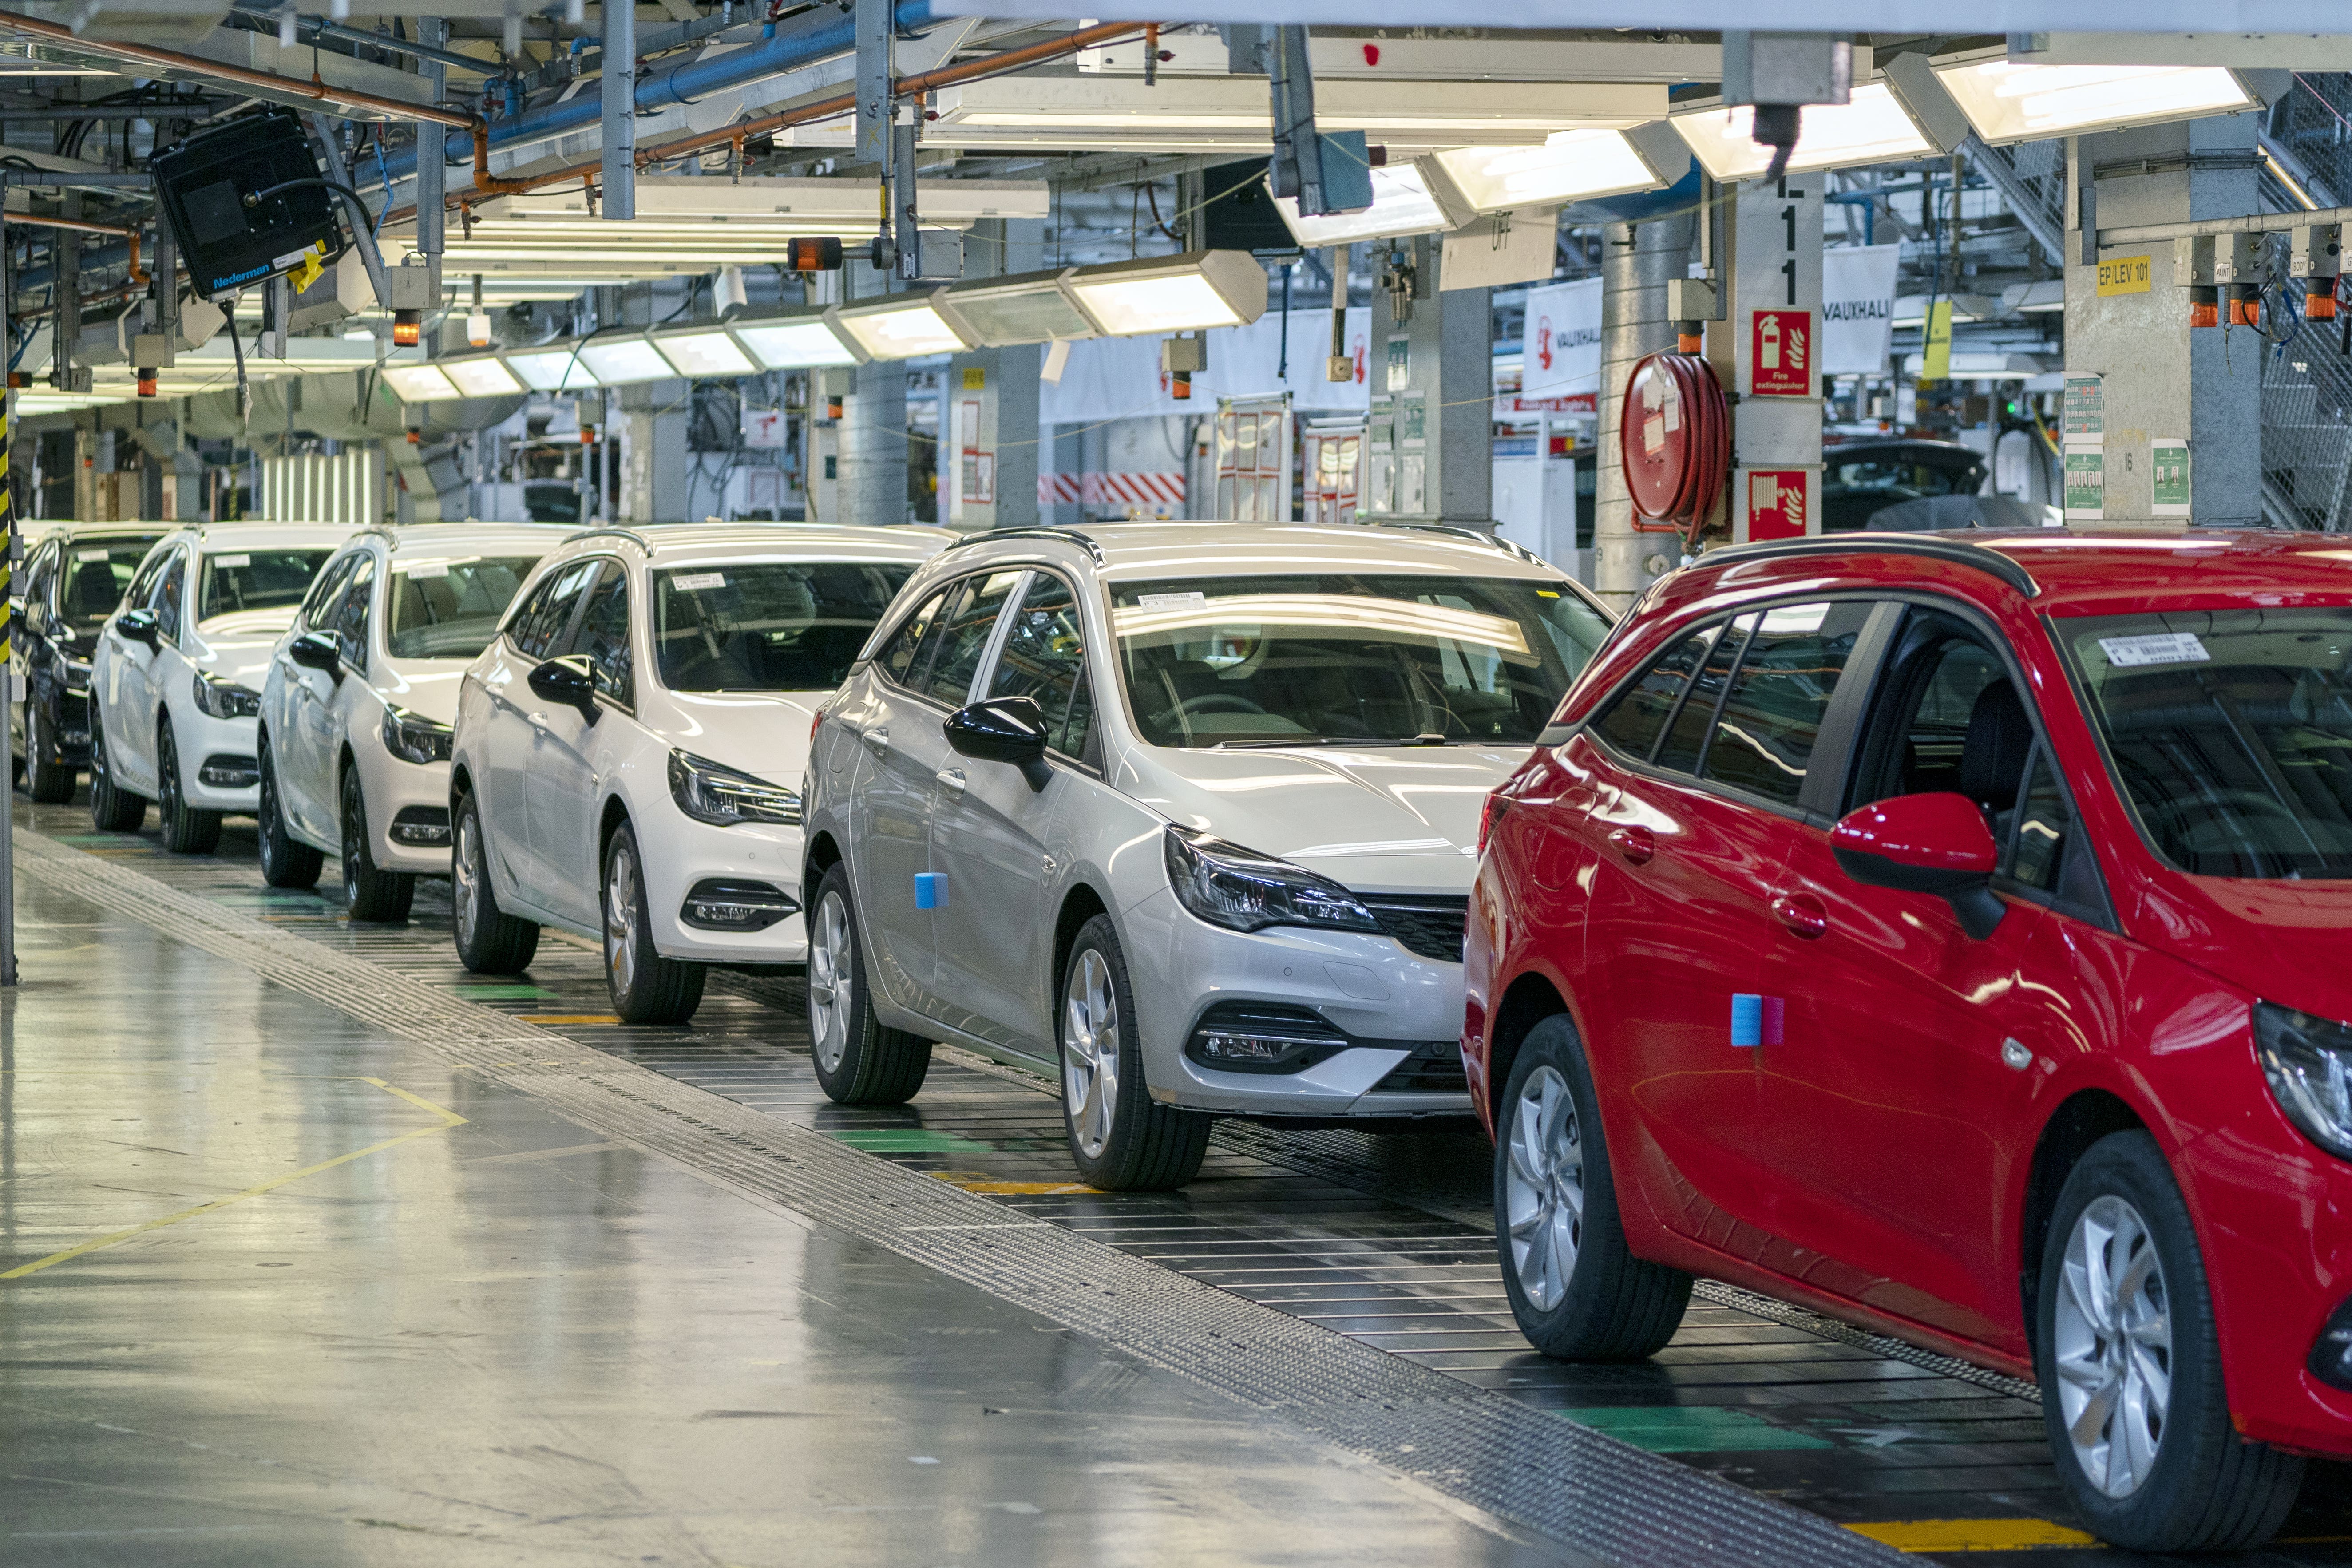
[[1477, 535], [631, 534], [1933, 547], [1066, 535]]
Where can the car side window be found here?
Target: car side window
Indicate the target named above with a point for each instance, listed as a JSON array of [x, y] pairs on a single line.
[[963, 637], [1772, 712], [143, 583], [37, 582], [1683, 749], [1045, 658], [349, 621], [900, 658], [545, 621], [1633, 722], [1946, 720], [315, 612], [2043, 822], [171, 594], [604, 636]]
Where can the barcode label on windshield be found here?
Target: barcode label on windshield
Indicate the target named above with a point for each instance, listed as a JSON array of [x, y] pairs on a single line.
[[228, 560], [90, 554], [695, 582], [2156, 647], [428, 569], [1171, 600]]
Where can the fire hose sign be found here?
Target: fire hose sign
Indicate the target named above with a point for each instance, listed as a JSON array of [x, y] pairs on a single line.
[[1782, 354]]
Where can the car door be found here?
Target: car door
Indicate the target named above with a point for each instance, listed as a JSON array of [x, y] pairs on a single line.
[[298, 740], [131, 705], [1896, 1100], [1686, 849], [517, 714], [889, 805], [347, 702], [990, 828], [561, 791]]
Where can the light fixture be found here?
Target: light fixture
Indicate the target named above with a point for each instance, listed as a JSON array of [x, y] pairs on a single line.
[[904, 327], [1570, 166], [1191, 292], [1402, 203], [703, 351], [477, 329], [556, 368], [408, 327], [2009, 100], [802, 340], [1870, 128], [418, 382], [486, 376], [1028, 308], [622, 357]]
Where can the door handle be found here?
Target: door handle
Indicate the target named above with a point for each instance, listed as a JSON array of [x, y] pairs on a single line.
[[877, 739], [1802, 914], [952, 779], [1637, 844]]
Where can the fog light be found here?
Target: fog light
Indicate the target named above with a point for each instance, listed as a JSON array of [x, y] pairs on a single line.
[[2331, 1353], [1258, 1036], [715, 904], [426, 826], [225, 771]]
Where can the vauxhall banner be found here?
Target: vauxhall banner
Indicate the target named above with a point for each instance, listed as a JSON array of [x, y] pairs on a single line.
[[1857, 309], [1562, 339]]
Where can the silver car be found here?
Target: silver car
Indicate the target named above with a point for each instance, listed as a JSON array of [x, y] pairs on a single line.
[[1185, 813]]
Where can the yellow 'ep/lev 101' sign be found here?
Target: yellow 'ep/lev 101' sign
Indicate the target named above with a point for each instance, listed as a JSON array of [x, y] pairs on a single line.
[[2124, 275]]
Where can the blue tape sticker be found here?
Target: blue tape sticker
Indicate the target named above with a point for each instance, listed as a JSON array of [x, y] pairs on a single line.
[[931, 890], [1747, 1020]]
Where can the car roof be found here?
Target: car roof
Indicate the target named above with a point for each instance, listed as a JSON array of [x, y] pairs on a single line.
[[212, 538], [1132, 551], [472, 538], [680, 543], [68, 529]]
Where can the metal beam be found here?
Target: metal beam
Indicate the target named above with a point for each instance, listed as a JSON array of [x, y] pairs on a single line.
[[619, 86], [432, 174], [875, 106], [2253, 223]]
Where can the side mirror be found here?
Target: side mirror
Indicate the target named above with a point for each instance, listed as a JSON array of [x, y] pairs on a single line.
[[139, 626], [1003, 729], [567, 680], [1926, 844], [317, 650]]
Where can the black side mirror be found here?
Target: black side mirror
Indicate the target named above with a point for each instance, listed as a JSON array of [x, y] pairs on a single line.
[[317, 650], [1003, 729], [139, 626], [567, 680]]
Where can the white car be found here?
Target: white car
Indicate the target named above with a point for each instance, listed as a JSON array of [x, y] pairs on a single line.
[[629, 747], [176, 676], [1186, 815], [361, 692]]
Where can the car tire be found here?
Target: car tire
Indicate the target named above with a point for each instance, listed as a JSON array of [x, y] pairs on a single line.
[[112, 809], [2144, 1396], [286, 860], [369, 894], [490, 941], [1122, 1139], [860, 1060], [186, 830], [647, 988], [1578, 1292], [48, 780]]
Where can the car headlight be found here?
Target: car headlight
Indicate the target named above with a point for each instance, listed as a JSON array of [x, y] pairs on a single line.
[[414, 738], [708, 792], [2308, 1061], [225, 698], [1227, 885]]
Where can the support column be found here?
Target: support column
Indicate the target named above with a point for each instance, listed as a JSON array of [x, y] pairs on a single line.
[[653, 465], [1637, 259], [2161, 379], [619, 85], [432, 149], [873, 465], [1433, 439]]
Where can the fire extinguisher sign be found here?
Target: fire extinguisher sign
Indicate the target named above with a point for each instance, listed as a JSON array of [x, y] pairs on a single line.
[[1780, 355]]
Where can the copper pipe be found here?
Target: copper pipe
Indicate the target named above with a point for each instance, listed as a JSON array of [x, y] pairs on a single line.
[[485, 182], [197, 65], [85, 225]]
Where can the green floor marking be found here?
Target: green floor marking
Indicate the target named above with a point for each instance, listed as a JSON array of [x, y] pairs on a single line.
[[909, 1140], [1692, 1430], [504, 993]]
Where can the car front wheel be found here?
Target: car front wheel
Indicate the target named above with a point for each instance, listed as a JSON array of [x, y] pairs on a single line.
[[47, 778], [286, 860], [646, 987], [187, 830], [369, 893], [1122, 1139], [490, 941], [859, 1059], [112, 809], [2129, 1360]]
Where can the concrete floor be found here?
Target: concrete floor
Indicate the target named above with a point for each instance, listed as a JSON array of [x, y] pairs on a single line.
[[506, 1341]]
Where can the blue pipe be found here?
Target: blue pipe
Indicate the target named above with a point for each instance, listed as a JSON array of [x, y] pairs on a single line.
[[680, 84]]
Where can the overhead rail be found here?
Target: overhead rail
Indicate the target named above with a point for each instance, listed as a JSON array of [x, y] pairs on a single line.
[[2198, 228], [319, 28]]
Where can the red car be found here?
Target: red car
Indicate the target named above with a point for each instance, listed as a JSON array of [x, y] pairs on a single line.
[[1950, 936]]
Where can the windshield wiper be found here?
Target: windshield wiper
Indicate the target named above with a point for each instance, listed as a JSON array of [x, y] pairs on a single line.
[[1289, 741]]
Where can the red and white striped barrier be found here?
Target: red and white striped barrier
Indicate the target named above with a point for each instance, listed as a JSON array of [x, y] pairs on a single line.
[[1110, 489]]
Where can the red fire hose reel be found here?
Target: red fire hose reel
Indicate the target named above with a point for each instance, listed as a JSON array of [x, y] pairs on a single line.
[[1674, 432]]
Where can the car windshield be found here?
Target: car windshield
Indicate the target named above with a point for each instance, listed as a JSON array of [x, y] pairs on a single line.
[[94, 576], [450, 609], [238, 580], [2230, 731], [1349, 658], [767, 626]]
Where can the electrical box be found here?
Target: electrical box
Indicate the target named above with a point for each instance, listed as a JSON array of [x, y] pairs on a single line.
[[1691, 299], [206, 183], [1188, 353], [1786, 67], [2315, 251], [2237, 258], [2192, 261]]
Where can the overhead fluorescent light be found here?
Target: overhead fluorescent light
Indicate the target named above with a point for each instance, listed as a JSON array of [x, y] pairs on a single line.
[[1191, 292], [704, 350], [1400, 205], [1870, 128], [2010, 101], [1570, 166], [418, 382], [804, 340], [1028, 308], [904, 327], [557, 368], [486, 376], [620, 358]]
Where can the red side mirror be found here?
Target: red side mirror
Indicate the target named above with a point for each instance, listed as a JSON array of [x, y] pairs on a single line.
[[1925, 844]]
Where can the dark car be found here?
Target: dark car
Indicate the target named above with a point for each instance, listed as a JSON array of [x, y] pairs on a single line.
[[1862, 479], [73, 583]]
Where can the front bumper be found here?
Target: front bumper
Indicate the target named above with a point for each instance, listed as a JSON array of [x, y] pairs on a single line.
[[1366, 985], [681, 854], [226, 750], [403, 799]]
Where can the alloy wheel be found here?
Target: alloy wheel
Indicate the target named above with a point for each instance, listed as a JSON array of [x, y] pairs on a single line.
[[355, 827], [167, 768], [2113, 1342], [831, 989], [466, 872], [1090, 1035], [620, 920], [1543, 1186]]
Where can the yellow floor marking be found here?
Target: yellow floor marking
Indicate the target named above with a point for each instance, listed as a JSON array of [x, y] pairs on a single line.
[[1972, 1534], [449, 1119], [1014, 1189], [569, 1017]]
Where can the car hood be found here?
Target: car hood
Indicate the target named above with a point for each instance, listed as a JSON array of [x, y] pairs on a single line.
[[238, 647], [2280, 941], [1380, 819], [428, 687], [765, 733]]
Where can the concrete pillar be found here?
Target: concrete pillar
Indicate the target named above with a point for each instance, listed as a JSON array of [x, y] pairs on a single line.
[[1636, 261], [2161, 379], [873, 465], [1431, 450], [991, 435], [654, 464]]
